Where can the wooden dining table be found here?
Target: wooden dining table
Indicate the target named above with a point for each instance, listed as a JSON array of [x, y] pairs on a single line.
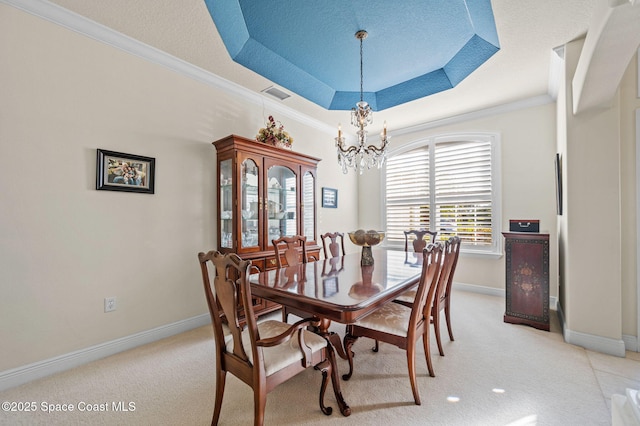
[[339, 289]]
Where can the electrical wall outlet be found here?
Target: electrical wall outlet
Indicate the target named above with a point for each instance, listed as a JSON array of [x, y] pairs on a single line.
[[109, 304]]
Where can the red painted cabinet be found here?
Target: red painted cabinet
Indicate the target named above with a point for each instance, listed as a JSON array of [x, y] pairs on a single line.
[[527, 279]]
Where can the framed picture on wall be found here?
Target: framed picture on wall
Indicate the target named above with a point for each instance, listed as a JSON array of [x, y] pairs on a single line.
[[329, 198], [559, 184], [117, 171]]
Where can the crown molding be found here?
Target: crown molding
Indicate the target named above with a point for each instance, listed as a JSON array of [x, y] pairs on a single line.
[[101, 33], [474, 115], [96, 31]]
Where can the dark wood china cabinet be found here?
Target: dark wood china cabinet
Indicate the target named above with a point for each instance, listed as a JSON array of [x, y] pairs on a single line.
[[263, 193]]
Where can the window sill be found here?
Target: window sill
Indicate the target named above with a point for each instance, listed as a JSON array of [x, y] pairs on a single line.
[[481, 254], [465, 253]]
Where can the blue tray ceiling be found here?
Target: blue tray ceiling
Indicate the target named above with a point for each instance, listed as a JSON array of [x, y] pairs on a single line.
[[415, 48]]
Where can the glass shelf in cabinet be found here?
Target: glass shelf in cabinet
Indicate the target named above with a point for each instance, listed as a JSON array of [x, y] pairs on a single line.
[[281, 190], [248, 187]]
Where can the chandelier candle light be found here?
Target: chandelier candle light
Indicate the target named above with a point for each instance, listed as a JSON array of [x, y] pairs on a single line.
[[361, 155]]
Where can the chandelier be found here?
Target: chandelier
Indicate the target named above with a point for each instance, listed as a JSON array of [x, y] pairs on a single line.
[[362, 155]]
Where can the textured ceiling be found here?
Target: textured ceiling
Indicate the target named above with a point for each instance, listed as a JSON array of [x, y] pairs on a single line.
[[528, 30], [413, 51]]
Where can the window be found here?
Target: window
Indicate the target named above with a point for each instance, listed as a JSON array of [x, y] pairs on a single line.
[[448, 184]]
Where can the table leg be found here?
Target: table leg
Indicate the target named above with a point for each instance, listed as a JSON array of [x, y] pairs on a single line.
[[335, 381], [334, 338], [336, 342]]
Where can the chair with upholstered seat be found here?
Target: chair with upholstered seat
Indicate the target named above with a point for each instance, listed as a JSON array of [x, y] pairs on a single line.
[[331, 246], [419, 239], [442, 300], [401, 325], [262, 355]]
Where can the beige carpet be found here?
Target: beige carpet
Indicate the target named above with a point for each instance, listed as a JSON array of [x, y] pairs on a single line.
[[493, 374]]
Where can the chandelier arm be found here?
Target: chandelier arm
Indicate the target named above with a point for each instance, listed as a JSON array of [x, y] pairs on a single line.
[[348, 151], [378, 150]]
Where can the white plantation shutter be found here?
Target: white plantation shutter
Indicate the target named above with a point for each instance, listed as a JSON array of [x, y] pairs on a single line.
[[449, 185], [408, 202], [308, 195], [291, 226], [463, 191]]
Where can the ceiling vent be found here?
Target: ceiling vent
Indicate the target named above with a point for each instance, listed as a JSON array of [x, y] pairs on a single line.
[[276, 93]]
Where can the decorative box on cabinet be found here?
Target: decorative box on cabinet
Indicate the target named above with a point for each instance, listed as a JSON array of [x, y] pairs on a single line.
[[263, 193], [527, 283]]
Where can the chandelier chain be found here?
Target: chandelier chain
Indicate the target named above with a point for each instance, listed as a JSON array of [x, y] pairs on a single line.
[[361, 73]]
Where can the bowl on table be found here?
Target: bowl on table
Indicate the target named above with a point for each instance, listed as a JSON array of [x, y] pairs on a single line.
[[366, 239]]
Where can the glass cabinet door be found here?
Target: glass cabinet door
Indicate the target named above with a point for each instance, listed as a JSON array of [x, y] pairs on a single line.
[[226, 204], [281, 203], [250, 204], [308, 207]]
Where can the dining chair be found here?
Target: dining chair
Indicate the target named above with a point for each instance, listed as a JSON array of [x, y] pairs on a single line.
[[419, 242], [442, 300], [262, 355], [294, 251], [330, 244], [401, 325]]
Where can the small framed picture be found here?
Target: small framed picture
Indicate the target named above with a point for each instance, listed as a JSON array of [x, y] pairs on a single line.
[[329, 198], [117, 171]]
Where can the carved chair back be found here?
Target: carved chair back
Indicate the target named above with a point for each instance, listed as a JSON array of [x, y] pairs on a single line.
[[333, 244], [419, 239], [293, 249]]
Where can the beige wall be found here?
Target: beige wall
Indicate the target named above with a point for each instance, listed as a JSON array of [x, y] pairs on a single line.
[[593, 197], [65, 246], [528, 148], [599, 231], [629, 103]]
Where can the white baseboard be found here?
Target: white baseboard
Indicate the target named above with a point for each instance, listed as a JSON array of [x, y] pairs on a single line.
[[631, 343], [27, 373], [591, 342], [588, 341], [601, 344], [492, 291], [489, 291], [37, 370]]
